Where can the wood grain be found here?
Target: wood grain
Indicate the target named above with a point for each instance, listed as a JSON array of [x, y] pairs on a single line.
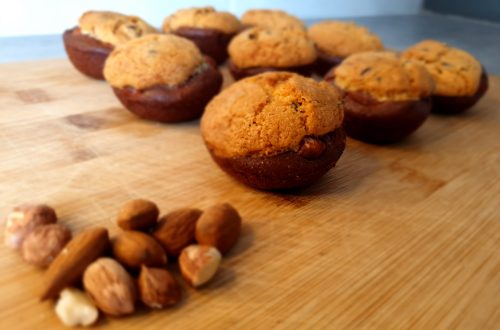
[[399, 236]]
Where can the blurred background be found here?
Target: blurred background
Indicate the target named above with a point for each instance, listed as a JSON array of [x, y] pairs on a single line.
[[33, 17]]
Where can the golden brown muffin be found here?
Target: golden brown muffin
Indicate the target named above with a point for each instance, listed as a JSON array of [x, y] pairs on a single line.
[[386, 97], [89, 44], [459, 77], [336, 40], [113, 28], [261, 49], [275, 130], [209, 29], [202, 18], [153, 60], [384, 76], [162, 77], [269, 18]]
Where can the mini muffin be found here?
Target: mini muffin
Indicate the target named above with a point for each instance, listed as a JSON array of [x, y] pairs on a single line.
[[275, 130], [336, 40], [162, 77], [98, 32], [269, 18], [258, 50], [460, 79], [386, 98], [210, 30]]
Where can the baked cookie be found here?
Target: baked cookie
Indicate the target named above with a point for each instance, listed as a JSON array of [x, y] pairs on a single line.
[[275, 130], [98, 32], [460, 79], [258, 50], [336, 40], [210, 30], [162, 77], [386, 97], [269, 18]]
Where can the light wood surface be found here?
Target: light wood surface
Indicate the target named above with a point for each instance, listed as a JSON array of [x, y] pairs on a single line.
[[399, 236]]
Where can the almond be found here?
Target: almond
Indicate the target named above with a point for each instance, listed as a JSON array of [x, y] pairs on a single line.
[[138, 214], [158, 288], [199, 263], [134, 248], [69, 265], [176, 230], [219, 226], [44, 243], [110, 287]]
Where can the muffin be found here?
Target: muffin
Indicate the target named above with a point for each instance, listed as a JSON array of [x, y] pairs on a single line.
[[268, 18], [275, 130], [336, 40], [98, 32], [259, 49], [459, 77], [386, 98], [162, 77], [210, 30]]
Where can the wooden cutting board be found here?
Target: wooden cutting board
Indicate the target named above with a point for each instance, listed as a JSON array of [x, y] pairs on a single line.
[[398, 236]]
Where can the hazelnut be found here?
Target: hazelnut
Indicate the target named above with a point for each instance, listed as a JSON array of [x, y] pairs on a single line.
[[219, 226], [158, 288], [199, 263], [23, 219], [135, 248], [44, 243], [138, 214], [74, 308], [110, 286], [176, 230]]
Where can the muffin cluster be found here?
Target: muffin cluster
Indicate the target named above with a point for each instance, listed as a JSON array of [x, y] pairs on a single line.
[[274, 128]]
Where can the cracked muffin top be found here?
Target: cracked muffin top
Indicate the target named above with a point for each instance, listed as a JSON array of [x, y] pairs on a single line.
[[113, 28], [155, 59], [269, 18], [343, 38], [202, 18], [455, 72], [384, 76], [270, 113], [262, 47]]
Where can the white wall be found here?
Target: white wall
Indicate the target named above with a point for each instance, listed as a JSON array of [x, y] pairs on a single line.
[[29, 17]]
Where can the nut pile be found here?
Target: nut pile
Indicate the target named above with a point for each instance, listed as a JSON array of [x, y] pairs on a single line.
[[92, 272]]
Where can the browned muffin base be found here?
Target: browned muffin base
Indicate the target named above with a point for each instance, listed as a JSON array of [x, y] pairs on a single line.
[[211, 42], [173, 104], [459, 104], [325, 62], [86, 53], [315, 157], [239, 73], [373, 121]]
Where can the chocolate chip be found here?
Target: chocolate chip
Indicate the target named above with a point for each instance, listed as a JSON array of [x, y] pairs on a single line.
[[365, 71], [296, 105], [312, 148]]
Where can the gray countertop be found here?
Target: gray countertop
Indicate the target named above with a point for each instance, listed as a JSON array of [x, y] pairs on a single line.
[[482, 39]]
